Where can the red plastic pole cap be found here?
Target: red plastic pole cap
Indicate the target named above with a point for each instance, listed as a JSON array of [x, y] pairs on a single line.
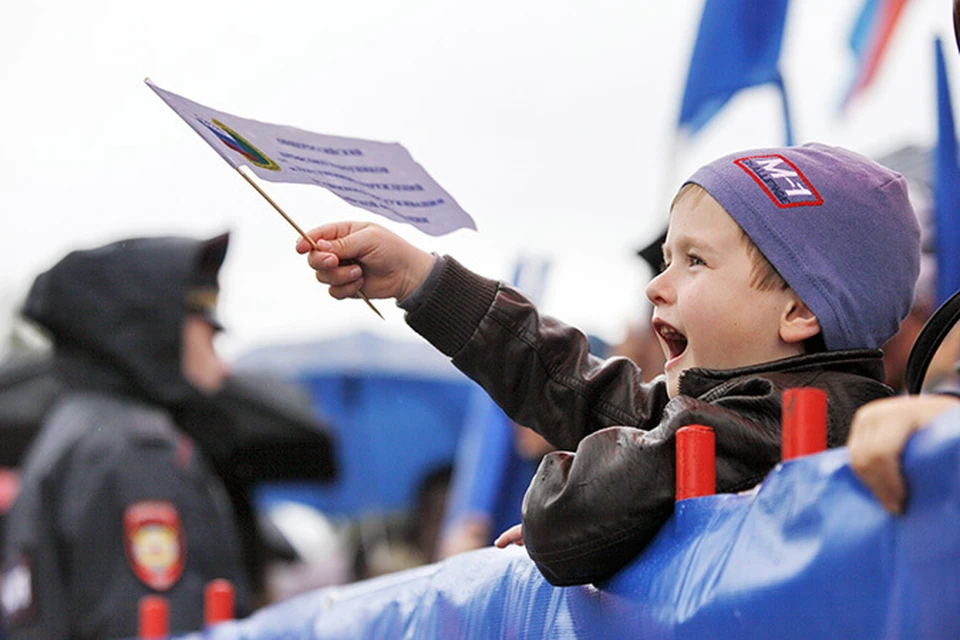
[[696, 462], [154, 617], [218, 601], [804, 422]]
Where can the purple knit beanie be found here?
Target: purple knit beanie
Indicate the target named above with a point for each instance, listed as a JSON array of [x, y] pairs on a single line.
[[837, 226]]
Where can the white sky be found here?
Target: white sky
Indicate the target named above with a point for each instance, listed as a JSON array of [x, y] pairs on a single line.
[[551, 122]]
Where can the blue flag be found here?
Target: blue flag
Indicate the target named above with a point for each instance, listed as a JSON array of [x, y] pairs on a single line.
[[738, 46], [946, 189]]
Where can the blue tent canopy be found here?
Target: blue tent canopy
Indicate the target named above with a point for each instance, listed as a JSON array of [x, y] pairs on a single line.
[[395, 409]]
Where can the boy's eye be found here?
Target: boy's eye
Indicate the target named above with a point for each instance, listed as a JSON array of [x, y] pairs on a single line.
[[694, 260]]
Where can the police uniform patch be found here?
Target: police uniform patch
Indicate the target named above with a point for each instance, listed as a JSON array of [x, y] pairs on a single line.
[[17, 592], [155, 543]]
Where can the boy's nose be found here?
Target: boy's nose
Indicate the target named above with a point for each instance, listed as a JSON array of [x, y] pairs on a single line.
[[658, 291]]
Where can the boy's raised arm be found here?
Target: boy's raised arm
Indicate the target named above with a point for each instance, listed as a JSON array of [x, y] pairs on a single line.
[[363, 255]]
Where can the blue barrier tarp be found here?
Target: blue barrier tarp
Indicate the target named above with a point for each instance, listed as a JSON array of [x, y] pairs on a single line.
[[809, 554]]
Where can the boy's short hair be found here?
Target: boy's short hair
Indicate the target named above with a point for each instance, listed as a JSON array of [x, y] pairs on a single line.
[[763, 275], [837, 226]]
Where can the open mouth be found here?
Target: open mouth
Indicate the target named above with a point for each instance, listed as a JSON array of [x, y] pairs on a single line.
[[675, 341]]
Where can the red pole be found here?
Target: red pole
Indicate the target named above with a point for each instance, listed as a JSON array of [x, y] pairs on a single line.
[[696, 462], [154, 617], [218, 601], [804, 422]]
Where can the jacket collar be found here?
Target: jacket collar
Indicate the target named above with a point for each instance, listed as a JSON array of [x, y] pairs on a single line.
[[862, 362]]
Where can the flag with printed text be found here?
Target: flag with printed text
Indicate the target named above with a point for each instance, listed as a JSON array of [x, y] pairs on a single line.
[[377, 176]]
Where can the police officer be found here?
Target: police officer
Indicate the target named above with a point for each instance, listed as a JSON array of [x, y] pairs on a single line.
[[117, 501]]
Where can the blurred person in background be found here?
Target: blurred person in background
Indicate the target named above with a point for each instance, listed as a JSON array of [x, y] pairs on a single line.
[[386, 543], [915, 163], [117, 499], [880, 430]]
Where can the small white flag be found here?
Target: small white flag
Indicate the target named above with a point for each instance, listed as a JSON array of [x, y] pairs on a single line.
[[380, 177]]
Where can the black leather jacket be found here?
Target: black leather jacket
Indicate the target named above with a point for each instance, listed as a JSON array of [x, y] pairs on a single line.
[[596, 503]]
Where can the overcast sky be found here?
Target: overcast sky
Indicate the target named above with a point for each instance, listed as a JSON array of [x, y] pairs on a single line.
[[552, 122]]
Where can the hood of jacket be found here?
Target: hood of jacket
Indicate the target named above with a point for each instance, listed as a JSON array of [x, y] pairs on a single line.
[[116, 313]]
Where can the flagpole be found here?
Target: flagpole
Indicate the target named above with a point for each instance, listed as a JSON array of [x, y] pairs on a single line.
[[293, 224], [787, 127]]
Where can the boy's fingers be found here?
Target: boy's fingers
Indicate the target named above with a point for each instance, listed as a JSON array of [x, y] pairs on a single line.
[[339, 276], [335, 230], [323, 234], [322, 260], [332, 235], [348, 247], [513, 535], [303, 246], [360, 244], [349, 290]]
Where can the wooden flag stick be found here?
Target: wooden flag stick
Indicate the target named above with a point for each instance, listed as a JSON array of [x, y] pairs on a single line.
[[297, 227]]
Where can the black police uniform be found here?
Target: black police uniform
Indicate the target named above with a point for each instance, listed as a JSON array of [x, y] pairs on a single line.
[[117, 499]]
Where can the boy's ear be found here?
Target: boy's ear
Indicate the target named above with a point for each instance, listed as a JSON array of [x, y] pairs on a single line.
[[797, 322]]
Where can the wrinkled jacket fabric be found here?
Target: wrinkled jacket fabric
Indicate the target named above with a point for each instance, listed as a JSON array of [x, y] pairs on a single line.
[[116, 438], [598, 501]]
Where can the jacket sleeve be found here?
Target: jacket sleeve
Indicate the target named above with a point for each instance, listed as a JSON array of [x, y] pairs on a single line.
[[589, 513], [539, 370], [34, 592]]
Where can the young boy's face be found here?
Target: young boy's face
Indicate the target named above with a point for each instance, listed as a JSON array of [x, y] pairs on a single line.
[[706, 313]]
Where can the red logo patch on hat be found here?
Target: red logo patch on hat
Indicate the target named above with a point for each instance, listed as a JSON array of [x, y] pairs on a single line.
[[155, 544], [781, 180]]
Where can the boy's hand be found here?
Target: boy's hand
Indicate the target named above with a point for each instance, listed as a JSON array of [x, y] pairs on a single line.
[[878, 434], [363, 255], [513, 535]]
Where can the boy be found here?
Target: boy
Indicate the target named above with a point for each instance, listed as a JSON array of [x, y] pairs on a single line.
[[784, 268]]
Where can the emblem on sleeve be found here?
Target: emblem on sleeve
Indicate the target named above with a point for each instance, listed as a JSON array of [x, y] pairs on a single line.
[[155, 543]]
